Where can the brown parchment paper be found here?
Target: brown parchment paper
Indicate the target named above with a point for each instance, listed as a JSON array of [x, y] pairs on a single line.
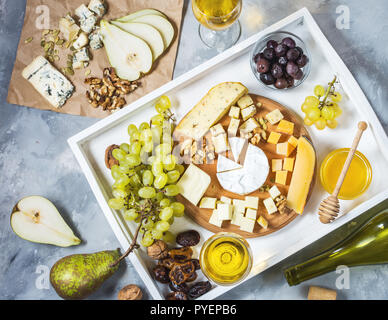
[[21, 92]]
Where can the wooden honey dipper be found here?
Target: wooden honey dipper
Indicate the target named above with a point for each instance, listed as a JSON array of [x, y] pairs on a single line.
[[329, 208]]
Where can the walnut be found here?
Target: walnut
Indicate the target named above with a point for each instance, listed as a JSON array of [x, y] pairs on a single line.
[[130, 292], [256, 139], [158, 250], [283, 209], [110, 161]]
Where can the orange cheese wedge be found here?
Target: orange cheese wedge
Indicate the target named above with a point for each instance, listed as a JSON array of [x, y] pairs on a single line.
[[303, 175]]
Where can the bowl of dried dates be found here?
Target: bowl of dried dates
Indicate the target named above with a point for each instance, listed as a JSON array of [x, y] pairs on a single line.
[[177, 268]]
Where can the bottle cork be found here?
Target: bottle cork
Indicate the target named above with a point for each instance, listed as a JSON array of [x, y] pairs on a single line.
[[317, 293]]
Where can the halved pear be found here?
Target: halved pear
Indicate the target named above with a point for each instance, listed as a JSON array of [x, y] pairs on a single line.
[[146, 32], [161, 24], [36, 219], [140, 13], [128, 54]]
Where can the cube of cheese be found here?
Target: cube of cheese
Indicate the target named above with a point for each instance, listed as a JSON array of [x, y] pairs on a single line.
[[277, 165], [274, 192], [193, 191], [245, 102], [239, 205], [226, 200], [81, 41], [237, 217], [288, 164], [220, 143], [284, 149], [262, 222], [274, 137], [233, 127], [281, 177], [286, 127], [248, 112], [293, 141], [274, 117], [252, 202], [234, 112], [270, 206], [217, 129], [251, 214], [208, 203], [98, 7], [249, 125], [215, 220], [225, 211], [69, 28], [247, 224]]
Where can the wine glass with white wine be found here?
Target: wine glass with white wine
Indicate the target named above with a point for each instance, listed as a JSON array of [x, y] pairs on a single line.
[[219, 27]]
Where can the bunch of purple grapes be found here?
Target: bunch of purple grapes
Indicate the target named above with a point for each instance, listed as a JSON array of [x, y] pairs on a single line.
[[280, 64]]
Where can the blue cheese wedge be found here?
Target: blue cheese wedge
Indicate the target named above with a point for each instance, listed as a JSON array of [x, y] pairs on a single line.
[[212, 107], [80, 58], [98, 7], [95, 40], [193, 184], [48, 81]]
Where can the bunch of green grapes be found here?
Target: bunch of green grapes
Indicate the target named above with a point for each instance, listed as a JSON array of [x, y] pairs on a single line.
[[145, 179], [322, 109]]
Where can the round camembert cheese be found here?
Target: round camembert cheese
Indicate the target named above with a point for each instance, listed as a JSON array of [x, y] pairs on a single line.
[[248, 178]]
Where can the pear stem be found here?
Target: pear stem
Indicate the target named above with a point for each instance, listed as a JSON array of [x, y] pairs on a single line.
[[132, 247]]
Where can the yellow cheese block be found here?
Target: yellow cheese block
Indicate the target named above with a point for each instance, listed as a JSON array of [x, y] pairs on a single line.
[[284, 149], [212, 107], [281, 177], [274, 137], [288, 164], [293, 141], [286, 127], [303, 175]]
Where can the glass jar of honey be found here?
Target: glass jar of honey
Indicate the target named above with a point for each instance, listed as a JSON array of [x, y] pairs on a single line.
[[357, 179], [226, 258]]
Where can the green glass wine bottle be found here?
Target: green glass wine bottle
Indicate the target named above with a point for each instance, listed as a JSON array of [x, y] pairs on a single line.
[[367, 245]]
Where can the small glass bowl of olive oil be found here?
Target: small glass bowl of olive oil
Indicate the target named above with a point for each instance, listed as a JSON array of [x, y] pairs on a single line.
[[358, 177], [226, 258]]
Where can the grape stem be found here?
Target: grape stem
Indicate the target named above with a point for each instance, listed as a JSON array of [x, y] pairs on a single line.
[[132, 246], [331, 84]]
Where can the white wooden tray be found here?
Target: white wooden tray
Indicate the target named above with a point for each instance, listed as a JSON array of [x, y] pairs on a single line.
[[233, 65]]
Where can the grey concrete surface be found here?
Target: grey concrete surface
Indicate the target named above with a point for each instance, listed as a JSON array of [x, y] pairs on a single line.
[[35, 157]]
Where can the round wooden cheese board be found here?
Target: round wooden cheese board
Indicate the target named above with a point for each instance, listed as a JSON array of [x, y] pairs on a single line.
[[276, 221]]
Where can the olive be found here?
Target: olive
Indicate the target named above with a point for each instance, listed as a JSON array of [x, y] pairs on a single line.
[[292, 54], [302, 61], [269, 54], [277, 70], [267, 78], [271, 44], [263, 65], [281, 50], [292, 69], [281, 83], [289, 42]]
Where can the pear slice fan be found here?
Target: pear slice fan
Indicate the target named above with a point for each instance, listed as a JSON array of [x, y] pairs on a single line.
[[36, 219]]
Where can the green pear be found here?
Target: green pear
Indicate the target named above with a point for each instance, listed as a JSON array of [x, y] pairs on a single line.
[[140, 13], [77, 276], [36, 219], [128, 54]]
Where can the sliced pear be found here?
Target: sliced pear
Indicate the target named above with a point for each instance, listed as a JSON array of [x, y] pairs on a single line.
[[140, 13], [161, 24], [36, 219], [128, 54], [146, 32]]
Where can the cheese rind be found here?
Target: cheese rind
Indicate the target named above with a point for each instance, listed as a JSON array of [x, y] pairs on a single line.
[[212, 107], [193, 184], [48, 81]]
